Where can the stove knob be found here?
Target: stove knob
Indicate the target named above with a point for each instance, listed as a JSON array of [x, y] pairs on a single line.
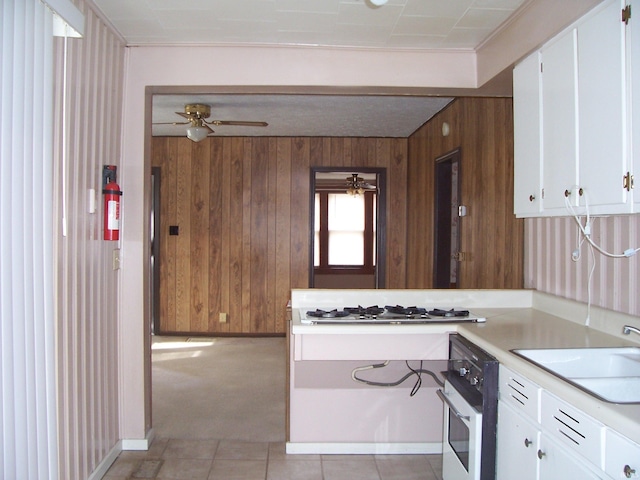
[[474, 380], [463, 371]]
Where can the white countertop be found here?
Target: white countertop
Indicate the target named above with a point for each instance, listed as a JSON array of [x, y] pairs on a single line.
[[531, 326]]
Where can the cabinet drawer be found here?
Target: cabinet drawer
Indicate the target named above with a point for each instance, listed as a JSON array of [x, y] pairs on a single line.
[[573, 428], [520, 393], [621, 457]]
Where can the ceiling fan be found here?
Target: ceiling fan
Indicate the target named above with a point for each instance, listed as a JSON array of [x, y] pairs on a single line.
[[197, 114], [357, 186]]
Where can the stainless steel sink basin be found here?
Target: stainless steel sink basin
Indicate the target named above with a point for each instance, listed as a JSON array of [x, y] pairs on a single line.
[[611, 374]]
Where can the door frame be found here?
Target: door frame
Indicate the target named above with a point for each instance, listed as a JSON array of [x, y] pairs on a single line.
[[381, 218], [154, 249], [453, 244]]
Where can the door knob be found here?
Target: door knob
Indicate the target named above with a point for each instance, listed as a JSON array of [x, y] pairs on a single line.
[[527, 442], [541, 454]]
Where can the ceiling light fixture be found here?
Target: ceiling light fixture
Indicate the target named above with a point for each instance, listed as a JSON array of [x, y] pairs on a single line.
[[354, 185], [197, 114], [197, 131], [378, 3]]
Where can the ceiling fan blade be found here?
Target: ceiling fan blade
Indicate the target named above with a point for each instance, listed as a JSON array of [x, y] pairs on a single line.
[[237, 123], [171, 123], [211, 129], [185, 115]]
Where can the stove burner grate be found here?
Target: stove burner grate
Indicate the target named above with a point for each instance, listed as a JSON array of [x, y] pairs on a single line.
[[438, 312], [328, 314], [408, 311], [372, 311]]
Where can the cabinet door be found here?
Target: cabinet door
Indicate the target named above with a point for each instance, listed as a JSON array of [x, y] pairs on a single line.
[[527, 197], [517, 444], [633, 60], [622, 456], [558, 463], [559, 123], [601, 106]]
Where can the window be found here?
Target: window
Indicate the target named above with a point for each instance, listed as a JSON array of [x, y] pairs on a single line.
[[345, 231]]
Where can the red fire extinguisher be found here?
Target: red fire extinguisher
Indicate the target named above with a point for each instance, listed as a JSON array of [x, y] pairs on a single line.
[[112, 194]]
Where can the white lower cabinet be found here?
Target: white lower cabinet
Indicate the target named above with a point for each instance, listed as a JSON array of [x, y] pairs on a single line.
[[525, 452], [622, 456], [517, 442], [541, 437], [559, 463]]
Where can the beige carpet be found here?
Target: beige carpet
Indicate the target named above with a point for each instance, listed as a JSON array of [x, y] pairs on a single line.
[[219, 388]]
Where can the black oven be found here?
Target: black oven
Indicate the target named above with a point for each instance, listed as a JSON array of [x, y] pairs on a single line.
[[470, 397]]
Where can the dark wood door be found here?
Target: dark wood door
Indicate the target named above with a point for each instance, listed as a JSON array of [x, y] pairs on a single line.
[[447, 221]]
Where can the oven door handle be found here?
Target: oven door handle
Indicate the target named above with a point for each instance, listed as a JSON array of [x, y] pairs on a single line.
[[452, 407]]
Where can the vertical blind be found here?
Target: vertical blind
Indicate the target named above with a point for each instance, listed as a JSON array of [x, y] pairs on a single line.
[[27, 325]]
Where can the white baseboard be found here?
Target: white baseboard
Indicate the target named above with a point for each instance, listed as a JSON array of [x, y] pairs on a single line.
[[106, 462], [138, 443], [364, 448]]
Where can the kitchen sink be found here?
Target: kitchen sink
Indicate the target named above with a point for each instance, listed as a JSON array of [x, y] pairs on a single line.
[[611, 374]]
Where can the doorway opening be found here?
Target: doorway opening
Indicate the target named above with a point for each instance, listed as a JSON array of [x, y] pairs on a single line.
[[447, 221], [347, 227]]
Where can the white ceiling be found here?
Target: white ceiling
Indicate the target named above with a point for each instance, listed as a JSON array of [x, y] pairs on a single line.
[[400, 24], [421, 24]]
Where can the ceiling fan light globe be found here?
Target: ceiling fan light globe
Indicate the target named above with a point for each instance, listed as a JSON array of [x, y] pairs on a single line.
[[197, 134], [378, 3]]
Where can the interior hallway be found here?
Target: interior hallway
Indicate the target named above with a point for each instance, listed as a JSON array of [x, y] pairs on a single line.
[[219, 413]]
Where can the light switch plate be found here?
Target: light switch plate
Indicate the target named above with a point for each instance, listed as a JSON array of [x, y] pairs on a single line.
[[116, 259]]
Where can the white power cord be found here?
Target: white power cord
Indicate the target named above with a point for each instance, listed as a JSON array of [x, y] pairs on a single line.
[[585, 230]]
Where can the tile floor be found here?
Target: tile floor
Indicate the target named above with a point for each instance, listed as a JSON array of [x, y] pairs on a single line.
[[240, 460], [243, 403]]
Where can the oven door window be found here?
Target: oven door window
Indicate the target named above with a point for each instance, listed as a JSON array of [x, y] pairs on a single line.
[[459, 439]]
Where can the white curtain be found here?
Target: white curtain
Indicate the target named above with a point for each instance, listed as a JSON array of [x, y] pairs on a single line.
[[27, 325]]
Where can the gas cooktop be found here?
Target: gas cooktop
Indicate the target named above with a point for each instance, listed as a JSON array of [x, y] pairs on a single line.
[[390, 314]]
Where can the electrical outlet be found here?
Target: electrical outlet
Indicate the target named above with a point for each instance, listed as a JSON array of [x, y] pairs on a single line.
[[223, 318]]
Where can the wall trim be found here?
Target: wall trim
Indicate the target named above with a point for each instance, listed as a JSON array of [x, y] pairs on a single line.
[[337, 448], [106, 462], [138, 443]]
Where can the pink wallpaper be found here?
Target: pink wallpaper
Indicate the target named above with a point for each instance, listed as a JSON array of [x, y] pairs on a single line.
[[86, 284], [615, 283]]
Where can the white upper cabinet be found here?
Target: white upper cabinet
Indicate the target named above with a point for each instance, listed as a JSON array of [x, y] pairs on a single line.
[[527, 129], [601, 108], [559, 123], [587, 140], [633, 66]]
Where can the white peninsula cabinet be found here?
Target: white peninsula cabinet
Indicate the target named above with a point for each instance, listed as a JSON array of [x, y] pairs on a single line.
[[572, 119], [542, 437]]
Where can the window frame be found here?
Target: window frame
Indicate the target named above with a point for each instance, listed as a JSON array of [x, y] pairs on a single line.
[[368, 267], [380, 270]]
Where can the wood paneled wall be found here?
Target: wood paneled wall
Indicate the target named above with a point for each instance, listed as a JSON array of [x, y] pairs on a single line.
[[491, 236], [242, 207]]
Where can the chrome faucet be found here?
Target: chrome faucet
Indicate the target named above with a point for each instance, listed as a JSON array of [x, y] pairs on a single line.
[[627, 329]]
